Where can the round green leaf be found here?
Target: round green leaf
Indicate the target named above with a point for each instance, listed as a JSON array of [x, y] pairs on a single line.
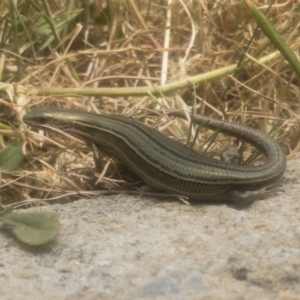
[[33, 228], [11, 157]]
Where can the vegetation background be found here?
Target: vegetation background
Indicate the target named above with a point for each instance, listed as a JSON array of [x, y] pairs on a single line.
[[135, 57]]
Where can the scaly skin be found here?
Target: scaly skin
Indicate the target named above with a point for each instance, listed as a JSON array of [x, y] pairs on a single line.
[[167, 165]]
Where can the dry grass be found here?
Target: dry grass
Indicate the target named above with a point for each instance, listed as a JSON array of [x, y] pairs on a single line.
[[130, 45]]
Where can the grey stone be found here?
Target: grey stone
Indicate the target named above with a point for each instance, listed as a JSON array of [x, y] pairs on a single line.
[[129, 247]]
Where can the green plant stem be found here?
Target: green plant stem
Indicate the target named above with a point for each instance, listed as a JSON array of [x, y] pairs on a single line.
[[154, 90]]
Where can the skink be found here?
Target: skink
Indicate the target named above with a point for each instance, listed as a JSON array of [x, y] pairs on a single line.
[[167, 165]]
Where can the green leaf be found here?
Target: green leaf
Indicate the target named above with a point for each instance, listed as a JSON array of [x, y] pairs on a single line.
[[11, 157], [268, 29], [32, 228], [42, 29]]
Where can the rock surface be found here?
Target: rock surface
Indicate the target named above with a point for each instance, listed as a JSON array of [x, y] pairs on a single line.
[[128, 247]]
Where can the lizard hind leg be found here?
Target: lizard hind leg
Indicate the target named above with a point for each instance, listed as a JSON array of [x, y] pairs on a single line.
[[245, 197]]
